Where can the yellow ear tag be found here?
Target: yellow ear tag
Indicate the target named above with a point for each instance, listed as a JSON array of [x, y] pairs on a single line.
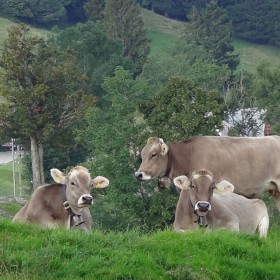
[[57, 179], [98, 186]]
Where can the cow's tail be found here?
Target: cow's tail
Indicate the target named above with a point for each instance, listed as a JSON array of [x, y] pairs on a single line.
[[263, 225]]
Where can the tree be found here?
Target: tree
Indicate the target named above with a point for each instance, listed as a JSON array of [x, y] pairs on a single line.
[[44, 91], [123, 21], [189, 61], [97, 54], [44, 11], [212, 29], [255, 20], [243, 114], [182, 109], [94, 9], [114, 135], [267, 89]]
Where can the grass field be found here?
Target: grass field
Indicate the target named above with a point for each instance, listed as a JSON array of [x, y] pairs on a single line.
[[6, 179], [28, 252]]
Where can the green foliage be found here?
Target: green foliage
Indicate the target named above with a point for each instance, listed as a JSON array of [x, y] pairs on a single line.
[[94, 9], [183, 109], [29, 252], [38, 78], [123, 21], [44, 11], [255, 20], [189, 61], [114, 135], [267, 90], [212, 29], [97, 54]]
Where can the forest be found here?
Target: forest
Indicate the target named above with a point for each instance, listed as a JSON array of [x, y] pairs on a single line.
[[88, 91]]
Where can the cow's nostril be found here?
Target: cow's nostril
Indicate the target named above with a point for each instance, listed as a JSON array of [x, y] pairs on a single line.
[[87, 199], [139, 175], [203, 206]]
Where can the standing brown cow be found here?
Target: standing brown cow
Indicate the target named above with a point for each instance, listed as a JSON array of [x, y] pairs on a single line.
[[251, 164], [64, 203]]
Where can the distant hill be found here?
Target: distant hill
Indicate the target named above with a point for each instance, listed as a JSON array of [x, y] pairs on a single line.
[[165, 32]]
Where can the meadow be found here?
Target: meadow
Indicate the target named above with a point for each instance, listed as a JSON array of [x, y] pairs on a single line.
[[29, 252]]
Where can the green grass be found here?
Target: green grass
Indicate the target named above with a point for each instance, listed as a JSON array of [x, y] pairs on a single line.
[[28, 252], [5, 24], [6, 179]]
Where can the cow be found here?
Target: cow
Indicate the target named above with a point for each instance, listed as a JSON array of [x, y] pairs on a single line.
[[250, 164], [199, 205], [64, 203]]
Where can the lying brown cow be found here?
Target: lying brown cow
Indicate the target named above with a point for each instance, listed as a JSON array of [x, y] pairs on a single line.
[[199, 206], [251, 164], [64, 203]]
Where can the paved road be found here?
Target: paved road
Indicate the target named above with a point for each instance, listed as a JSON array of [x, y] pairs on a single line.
[[6, 157]]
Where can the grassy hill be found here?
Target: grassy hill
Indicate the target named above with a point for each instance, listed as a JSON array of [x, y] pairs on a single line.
[[164, 33], [28, 252]]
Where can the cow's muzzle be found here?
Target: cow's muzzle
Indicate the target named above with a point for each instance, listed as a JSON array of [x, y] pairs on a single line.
[[142, 176], [85, 200], [202, 207]]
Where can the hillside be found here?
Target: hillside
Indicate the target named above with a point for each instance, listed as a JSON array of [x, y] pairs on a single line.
[[164, 33], [28, 252]]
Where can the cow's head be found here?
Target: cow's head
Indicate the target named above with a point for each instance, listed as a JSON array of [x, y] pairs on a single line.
[[78, 186], [154, 160], [200, 189]]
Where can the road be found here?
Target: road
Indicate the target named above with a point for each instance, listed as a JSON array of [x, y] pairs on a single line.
[[6, 157]]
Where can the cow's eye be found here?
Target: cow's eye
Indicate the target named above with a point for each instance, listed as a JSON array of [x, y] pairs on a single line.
[[72, 183], [154, 154], [193, 187]]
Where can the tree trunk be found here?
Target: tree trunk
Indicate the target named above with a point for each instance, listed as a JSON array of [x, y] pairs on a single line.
[[37, 162]]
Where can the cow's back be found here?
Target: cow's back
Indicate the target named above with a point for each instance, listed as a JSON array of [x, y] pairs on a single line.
[[45, 207], [249, 163], [233, 206]]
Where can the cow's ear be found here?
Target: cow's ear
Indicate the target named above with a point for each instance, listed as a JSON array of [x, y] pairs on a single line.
[[224, 187], [182, 182], [164, 147], [58, 176], [100, 182]]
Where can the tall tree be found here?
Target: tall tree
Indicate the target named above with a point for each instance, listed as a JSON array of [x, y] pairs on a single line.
[[44, 91], [123, 21], [183, 109], [211, 28]]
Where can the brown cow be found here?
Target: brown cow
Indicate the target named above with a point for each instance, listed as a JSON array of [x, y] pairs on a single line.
[[199, 206], [251, 164], [64, 203]]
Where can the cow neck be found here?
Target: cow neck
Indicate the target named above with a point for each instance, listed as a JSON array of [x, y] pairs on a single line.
[[169, 163], [75, 219]]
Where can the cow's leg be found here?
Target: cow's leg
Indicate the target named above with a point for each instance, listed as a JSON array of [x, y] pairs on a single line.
[[263, 225], [275, 193]]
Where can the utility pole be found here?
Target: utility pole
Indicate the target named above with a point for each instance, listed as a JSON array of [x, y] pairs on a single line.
[[14, 171]]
